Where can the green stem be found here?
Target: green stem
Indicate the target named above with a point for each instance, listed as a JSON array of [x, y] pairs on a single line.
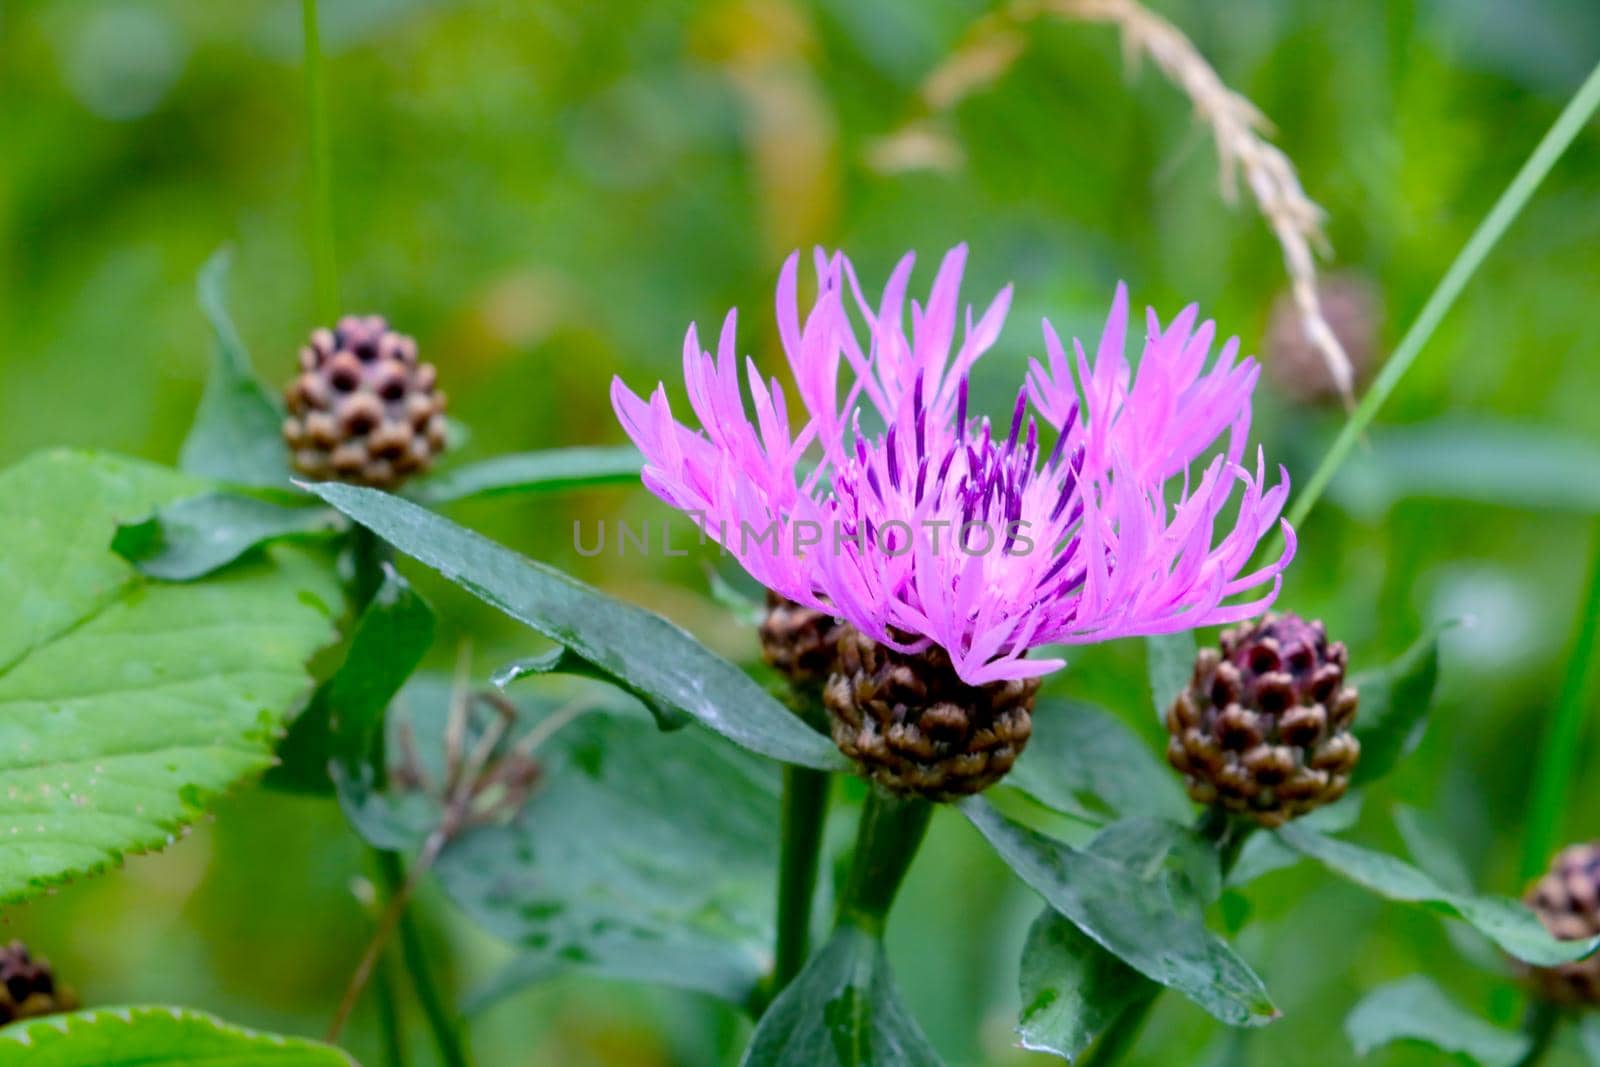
[[1489, 231], [386, 989], [1540, 1027], [446, 1035], [1558, 759], [892, 827], [324, 264], [805, 808]]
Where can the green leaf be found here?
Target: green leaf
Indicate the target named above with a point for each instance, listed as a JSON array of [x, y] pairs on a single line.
[[642, 651], [1589, 1037], [1264, 853], [343, 723], [529, 472], [1072, 989], [1394, 706], [1504, 921], [639, 855], [563, 660], [154, 1037], [1425, 839], [237, 436], [1169, 663], [842, 1011], [126, 704], [1135, 918], [193, 537], [1414, 1009], [1084, 761]]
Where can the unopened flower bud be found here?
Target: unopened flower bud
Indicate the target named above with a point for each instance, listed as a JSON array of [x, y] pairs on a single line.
[[28, 986], [1263, 728], [1567, 901], [1296, 366], [798, 642]]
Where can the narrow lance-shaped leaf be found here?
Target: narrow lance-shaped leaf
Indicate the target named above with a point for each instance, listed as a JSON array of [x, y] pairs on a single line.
[[1505, 921], [1072, 989], [1134, 918], [237, 436], [842, 1011], [1394, 706], [1414, 1009], [126, 704], [202, 534], [642, 651], [154, 1037], [1084, 761], [532, 472], [564, 661]]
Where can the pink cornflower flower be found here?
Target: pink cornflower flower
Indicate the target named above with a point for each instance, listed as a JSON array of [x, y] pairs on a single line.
[[889, 505]]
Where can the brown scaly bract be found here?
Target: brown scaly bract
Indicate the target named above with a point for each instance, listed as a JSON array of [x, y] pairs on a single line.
[[1263, 730], [363, 410], [28, 987], [912, 725], [1567, 901]]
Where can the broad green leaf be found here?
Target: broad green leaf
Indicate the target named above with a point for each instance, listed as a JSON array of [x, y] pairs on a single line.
[[1414, 1009], [1084, 761], [841, 1011], [193, 537], [154, 1037], [563, 660], [642, 651], [1394, 706], [1169, 663], [1264, 853], [1499, 463], [1504, 921], [528, 472], [1134, 918], [1072, 989], [639, 855], [343, 723], [127, 704], [237, 436]]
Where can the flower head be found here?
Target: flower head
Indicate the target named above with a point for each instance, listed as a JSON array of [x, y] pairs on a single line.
[[885, 502]]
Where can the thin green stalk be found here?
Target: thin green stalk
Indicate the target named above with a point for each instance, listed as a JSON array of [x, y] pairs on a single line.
[[386, 989], [891, 830], [805, 808], [1558, 760], [1489, 231], [446, 1034], [1542, 1023], [324, 264]]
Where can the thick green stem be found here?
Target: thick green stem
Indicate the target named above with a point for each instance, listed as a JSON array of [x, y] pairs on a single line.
[[1540, 1027], [891, 830], [446, 1034], [805, 809], [324, 264], [1558, 759]]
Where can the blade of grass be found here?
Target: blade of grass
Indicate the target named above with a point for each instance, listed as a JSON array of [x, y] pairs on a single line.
[[324, 264], [1558, 758], [1489, 231]]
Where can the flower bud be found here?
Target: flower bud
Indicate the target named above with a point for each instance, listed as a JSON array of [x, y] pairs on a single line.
[[798, 642], [1263, 729], [911, 724], [1296, 366], [1567, 901], [28, 987], [363, 410]]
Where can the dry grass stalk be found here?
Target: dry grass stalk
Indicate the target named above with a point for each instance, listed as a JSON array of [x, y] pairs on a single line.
[[1239, 129]]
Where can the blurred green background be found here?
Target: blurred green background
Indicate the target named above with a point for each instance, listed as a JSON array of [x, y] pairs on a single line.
[[546, 192]]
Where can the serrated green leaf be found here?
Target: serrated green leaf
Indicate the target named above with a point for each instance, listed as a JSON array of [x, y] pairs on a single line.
[[641, 650], [841, 1011], [193, 537], [1072, 989], [1414, 1009], [127, 704], [1394, 706], [1132, 917], [529, 472], [640, 855], [154, 1037], [1505, 921], [237, 436], [1169, 663], [1084, 761]]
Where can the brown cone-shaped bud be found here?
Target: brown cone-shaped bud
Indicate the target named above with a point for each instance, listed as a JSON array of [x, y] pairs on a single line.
[[1354, 312], [1264, 727], [1567, 901], [28, 987], [799, 642], [363, 410], [911, 724]]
